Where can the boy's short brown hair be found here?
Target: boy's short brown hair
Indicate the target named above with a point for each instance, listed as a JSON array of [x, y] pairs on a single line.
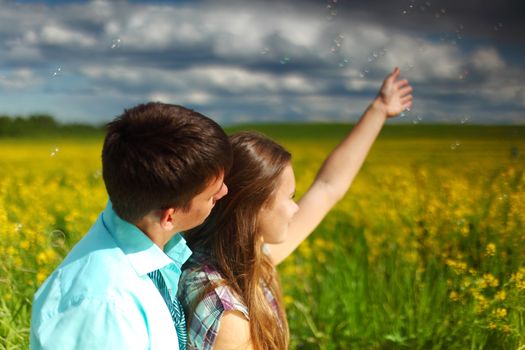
[[158, 155]]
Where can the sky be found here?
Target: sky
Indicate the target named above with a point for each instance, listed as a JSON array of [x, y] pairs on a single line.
[[263, 61]]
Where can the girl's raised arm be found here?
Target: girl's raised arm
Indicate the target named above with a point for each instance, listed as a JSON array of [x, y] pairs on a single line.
[[342, 165]]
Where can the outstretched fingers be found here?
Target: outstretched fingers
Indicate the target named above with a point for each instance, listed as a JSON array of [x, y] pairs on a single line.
[[395, 93], [406, 91], [401, 83], [406, 101]]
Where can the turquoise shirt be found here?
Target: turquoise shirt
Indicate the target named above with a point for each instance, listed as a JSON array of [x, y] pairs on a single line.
[[100, 297]]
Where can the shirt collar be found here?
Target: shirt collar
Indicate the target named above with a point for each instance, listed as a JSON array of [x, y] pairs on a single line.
[[144, 255]]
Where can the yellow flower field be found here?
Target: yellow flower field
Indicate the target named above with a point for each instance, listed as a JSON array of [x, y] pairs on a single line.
[[426, 251]]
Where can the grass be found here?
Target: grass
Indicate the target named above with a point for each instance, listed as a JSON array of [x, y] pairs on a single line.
[[425, 251]]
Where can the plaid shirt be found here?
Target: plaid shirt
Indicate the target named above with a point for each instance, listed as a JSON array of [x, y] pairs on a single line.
[[204, 320]]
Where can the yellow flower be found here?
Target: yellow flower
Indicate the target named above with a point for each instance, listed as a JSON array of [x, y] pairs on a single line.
[[47, 256], [482, 283], [482, 304], [521, 285], [501, 295], [17, 262], [24, 244], [500, 312], [320, 243], [454, 296], [41, 258], [490, 250], [459, 267], [488, 279], [305, 249], [11, 251], [41, 276]]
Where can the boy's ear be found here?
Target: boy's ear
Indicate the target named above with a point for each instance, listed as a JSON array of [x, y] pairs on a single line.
[[167, 218]]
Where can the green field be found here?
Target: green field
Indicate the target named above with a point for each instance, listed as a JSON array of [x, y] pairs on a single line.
[[426, 251]]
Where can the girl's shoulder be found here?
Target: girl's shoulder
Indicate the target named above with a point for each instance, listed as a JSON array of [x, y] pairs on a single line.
[[205, 297], [200, 276]]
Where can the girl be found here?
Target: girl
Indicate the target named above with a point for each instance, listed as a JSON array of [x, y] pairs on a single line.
[[229, 288]]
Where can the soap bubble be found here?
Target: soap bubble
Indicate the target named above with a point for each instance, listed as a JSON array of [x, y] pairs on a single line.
[[57, 238], [337, 43], [331, 8], [408, 67], [57, 71], [116, 43], [97, 174], [417, 119], [443, 37], [344, 62], [463, 75]]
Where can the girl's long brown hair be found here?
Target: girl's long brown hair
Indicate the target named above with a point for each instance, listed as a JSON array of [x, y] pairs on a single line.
[[231, 237]]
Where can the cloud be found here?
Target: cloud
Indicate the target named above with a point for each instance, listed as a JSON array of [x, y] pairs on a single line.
[[277, 60], [58, 35], [18, 79], [487, 58]]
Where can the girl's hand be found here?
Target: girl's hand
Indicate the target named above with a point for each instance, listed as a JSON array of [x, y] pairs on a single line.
[[395, 95]]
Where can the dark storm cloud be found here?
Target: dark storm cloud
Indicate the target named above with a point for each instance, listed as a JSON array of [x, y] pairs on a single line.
[[480, 18]]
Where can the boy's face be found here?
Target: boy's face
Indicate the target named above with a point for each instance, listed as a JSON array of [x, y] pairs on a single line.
[[202, 204]]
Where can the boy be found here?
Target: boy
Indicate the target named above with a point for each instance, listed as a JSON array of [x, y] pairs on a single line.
[[163, 167]]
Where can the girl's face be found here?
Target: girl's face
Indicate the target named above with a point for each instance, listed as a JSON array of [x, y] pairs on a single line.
[[275, 217]]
